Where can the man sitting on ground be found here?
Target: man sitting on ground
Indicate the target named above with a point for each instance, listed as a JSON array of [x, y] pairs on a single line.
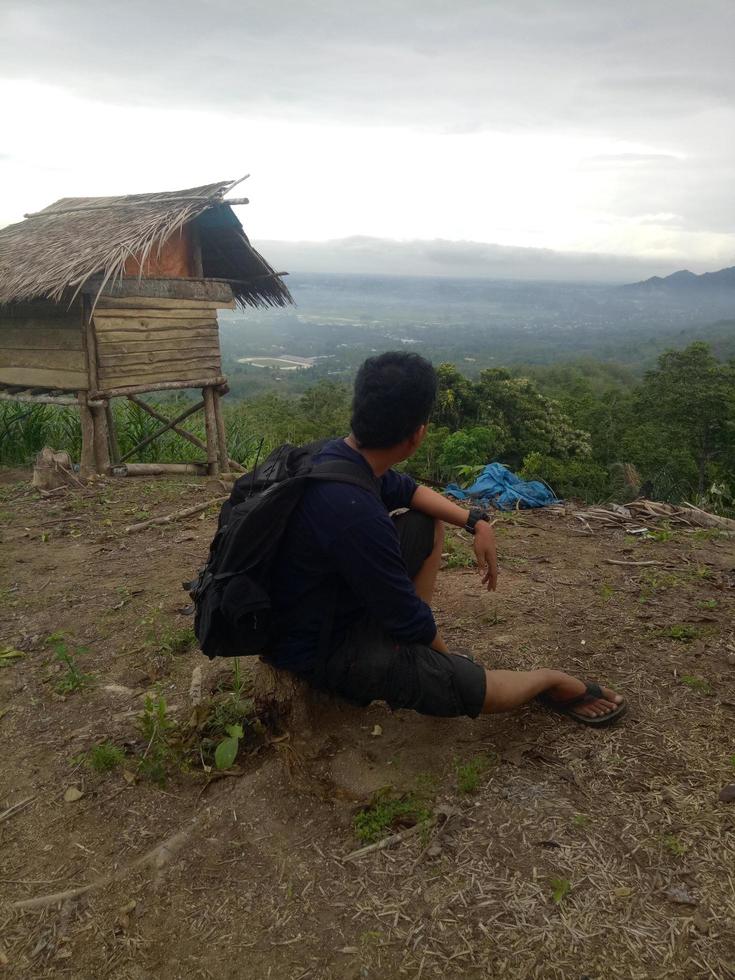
[[367, 578]]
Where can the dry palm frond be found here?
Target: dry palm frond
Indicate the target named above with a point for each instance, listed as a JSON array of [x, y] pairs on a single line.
[[60, 248]]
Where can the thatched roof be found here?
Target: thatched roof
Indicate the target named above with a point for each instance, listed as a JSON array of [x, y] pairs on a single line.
[[58, 249]]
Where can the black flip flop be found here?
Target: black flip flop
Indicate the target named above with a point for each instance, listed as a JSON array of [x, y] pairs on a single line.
[[592, 693]]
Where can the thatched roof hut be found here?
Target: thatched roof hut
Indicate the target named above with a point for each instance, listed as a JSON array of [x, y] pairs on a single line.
[[174, 234], [110, 296]]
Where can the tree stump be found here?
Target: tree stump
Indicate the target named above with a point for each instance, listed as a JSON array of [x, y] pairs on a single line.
[[308, 727], [53, 469], [288, 705]]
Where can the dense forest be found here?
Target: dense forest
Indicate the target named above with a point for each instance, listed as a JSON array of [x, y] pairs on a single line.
[[592, 430]]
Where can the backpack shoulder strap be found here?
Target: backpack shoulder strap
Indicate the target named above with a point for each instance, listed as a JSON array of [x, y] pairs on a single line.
[[343, 471]]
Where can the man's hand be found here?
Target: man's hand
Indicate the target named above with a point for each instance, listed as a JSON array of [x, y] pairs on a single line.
[[487, 558]]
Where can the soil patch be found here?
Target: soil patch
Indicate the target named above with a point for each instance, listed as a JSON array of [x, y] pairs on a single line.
[[561, 851]]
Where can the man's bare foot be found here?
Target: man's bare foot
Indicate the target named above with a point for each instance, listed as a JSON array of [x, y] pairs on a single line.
[[570, 687]]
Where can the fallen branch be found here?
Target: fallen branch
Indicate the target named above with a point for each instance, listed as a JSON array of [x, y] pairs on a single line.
[[616, 561], [158, 856], [16, 808], [178, 515], [393, 839]]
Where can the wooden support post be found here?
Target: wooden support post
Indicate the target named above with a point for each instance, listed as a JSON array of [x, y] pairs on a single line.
[[101, 440], [87, 462], [221, 435], [112, 435], [210, 422]]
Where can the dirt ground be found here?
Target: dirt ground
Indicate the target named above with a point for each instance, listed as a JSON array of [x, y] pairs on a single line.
[[559, 851]]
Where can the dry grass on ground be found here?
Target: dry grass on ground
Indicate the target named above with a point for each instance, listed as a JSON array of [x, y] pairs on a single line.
[[560, 851]]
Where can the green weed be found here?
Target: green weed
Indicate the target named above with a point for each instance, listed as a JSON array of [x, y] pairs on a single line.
[[664, 533], [104, 757], [457, 554], [681, 633], [560, 888], [174, 641], [651, 581], [580, 820], [707, 534], [226, 752], [470, 773], [386, 814], [9, 656], [606, 592], [73, 679], [157, 728], [674, 845], [698, 684], [708, 604]]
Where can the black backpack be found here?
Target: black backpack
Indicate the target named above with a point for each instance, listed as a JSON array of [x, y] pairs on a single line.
[[231, 594]]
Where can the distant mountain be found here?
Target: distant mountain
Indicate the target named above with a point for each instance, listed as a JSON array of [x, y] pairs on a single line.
[[363, 255], [689, 281]]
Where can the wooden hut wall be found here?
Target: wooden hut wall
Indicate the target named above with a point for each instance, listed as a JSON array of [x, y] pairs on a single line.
[[174, 258], [42, 345], [142, 340]]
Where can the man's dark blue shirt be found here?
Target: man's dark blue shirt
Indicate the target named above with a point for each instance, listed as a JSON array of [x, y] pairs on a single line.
[[341, 547]]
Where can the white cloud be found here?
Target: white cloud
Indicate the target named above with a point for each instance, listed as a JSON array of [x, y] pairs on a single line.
[[567, 126]]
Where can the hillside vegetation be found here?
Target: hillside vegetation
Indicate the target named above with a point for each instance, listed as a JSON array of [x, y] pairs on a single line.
[[591, 430]]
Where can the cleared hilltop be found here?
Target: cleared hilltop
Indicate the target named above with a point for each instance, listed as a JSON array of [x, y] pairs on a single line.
[[558, 851]]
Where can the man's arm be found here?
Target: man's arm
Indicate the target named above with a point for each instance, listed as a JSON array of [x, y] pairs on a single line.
[[429, 502]]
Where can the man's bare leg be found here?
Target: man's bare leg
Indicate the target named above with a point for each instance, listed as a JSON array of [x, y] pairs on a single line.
[[508, 689], [425, 580]]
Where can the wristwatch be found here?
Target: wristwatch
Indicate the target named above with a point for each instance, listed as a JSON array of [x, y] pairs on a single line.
[[476, 514]]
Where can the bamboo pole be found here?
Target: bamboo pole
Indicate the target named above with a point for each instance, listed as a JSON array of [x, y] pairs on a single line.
[[66, 400], [210, 422], [86, 463], [159, 432], [194, 440], [221, 435], [158, 469]]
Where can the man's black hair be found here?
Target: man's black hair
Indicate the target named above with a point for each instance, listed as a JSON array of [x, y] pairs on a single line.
[[394, 395]]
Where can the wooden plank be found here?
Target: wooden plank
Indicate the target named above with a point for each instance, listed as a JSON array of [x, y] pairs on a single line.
[[90, 349], [66, 360], [40, 337], [181, 371], [183, 328], [157, 344], [145, 312], [169, 368], [145, 357], [165, 290], [201, 328], [44, 377], [163, 338], [42, 311]]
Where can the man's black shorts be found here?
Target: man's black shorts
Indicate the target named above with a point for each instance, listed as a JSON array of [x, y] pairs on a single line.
[[371, 666]]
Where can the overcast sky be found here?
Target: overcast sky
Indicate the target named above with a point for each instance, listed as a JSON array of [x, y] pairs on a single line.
[[576, 125]]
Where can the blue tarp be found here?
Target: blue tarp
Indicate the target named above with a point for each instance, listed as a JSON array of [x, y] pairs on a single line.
[[496, 485]]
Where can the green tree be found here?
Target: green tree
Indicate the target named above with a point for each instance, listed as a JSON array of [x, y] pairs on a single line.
[[685, 416]]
